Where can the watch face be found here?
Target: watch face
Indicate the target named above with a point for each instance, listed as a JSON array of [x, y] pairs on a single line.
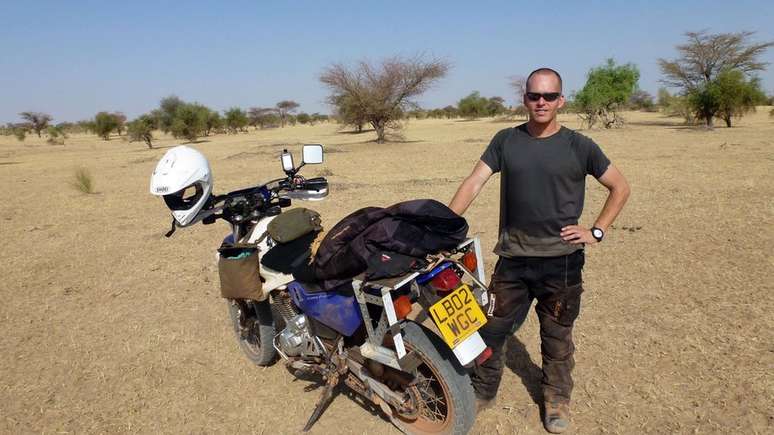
[[597, 233]]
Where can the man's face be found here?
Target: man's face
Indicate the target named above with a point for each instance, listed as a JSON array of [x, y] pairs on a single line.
[[542, 111]]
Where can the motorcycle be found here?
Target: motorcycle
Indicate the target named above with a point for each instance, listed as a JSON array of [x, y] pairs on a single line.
[[403, 343]]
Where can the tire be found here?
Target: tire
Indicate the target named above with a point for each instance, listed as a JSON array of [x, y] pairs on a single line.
[[257, 339], [450, 381]]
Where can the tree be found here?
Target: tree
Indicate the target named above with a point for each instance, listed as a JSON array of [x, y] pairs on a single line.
[[472, 106], [736, 95], [120, 122], [284, 108], [263, 117], [214, 122], [104, 123], [381, 93], [451, 112], [190, 121], [703, 58], [348, 112], [495, 106], [641, 100], [166, 112], [606, 91], [235, 120], [141, 129], [38, 121], [304, 118]]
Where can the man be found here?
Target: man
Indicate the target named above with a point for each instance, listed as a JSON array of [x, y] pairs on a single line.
[[540, 244]]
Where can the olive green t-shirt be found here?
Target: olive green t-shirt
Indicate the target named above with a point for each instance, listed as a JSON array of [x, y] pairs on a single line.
[[542, 187]]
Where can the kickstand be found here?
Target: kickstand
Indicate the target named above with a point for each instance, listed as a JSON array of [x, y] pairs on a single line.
[[325, 399]]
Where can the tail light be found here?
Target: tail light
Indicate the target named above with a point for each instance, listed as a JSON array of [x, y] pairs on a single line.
[[470, 261], [402, 307], [485, 355], [446, 281]]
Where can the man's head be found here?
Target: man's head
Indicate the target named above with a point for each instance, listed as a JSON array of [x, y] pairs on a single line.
[[543, 96]]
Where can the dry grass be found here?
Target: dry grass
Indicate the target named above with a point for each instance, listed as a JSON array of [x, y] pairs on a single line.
[[110, 327], [83, 180]]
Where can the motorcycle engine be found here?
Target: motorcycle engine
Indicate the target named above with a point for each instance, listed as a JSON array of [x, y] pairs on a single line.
[[295, 339]]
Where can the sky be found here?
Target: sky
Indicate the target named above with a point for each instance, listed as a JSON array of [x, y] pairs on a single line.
[[73, 59]]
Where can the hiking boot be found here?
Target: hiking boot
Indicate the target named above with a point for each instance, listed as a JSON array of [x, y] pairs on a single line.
[[557, 416], [482, 404]]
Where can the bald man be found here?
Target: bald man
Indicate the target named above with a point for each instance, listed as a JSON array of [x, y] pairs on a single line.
[[540, 245]]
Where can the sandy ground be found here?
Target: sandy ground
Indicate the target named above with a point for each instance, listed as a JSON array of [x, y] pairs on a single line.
[[109, 327]]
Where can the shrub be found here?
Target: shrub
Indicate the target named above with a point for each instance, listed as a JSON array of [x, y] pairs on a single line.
[[472, 106], [606, 91], [104, 124], [83, 180], [141, 129]]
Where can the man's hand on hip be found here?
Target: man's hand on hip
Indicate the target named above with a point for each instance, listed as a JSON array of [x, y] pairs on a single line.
[[576, 234]]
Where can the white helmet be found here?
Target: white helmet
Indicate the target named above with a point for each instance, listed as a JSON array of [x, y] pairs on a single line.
[[184, 179]]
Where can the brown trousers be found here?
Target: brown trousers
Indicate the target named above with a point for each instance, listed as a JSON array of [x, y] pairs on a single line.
[[556, 283]]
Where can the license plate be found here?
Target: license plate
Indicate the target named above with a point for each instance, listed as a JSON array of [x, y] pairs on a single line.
[[458, 315]]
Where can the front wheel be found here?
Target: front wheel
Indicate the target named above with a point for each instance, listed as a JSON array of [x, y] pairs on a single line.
[[254, 327], [442, 389]]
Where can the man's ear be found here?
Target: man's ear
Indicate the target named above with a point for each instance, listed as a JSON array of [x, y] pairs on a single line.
[[561, 102]]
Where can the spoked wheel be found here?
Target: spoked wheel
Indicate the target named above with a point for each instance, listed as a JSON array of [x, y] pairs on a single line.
[[254, 329], [443, 394]]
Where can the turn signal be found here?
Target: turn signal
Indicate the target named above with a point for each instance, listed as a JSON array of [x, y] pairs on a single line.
[[402, 307], [470, 261]]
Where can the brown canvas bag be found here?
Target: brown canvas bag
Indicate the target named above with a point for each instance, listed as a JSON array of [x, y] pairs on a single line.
[[239, 274], [293, 224]]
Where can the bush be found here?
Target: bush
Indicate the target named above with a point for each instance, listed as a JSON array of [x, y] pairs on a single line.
[[83, 180], [472, 106], [304, 118], [736, 95], [104, 124], [607, 89], [141, 129], [20, 133], [235, 120], [56, 135], [190, 121]]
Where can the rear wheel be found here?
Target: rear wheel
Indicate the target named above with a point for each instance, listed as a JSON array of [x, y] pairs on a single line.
[[254, 328], [442, 390]]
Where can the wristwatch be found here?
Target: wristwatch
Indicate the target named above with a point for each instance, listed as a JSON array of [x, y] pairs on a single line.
[[597, 233]]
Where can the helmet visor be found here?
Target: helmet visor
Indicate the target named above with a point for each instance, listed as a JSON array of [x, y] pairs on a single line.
[[184, 199]]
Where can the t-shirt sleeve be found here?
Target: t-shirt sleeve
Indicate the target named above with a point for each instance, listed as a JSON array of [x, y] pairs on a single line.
[[596, 162], [493, 154]]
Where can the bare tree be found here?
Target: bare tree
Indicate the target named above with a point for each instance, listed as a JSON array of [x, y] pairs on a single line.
[[38, 121], [519, 85], [704, 57], [285, 107], [382, 92]]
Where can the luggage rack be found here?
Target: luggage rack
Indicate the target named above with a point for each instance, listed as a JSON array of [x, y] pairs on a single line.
[[388, 322]]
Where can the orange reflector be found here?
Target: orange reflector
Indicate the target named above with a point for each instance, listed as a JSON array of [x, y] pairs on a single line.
[[402, 306], [470, 261]]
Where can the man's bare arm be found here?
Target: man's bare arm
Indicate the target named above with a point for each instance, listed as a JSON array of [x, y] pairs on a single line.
[[619, 192], [619, 189], [470, 188]]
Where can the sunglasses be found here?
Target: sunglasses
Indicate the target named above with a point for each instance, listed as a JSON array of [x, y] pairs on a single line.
[[548, 96]]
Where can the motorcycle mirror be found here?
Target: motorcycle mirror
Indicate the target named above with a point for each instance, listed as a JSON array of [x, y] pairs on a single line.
[[312, 154], [287, 161]]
